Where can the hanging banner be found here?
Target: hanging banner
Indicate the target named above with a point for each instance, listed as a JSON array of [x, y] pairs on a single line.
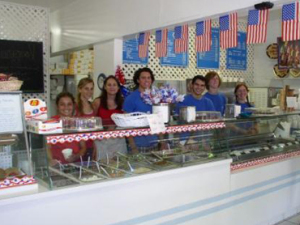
[[236, 58], [211, 59], [131, 52], [173, 59]]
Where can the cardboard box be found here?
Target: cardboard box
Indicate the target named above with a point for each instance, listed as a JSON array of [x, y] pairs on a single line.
[[44, 126]]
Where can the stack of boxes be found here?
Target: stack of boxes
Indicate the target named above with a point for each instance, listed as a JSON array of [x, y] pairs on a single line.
[[81, 62]]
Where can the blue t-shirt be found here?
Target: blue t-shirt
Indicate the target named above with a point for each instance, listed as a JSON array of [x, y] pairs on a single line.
[[135, 103], [219, 101], [202, 104]]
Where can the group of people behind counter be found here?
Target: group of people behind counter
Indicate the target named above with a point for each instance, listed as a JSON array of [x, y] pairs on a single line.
[[111, 101]]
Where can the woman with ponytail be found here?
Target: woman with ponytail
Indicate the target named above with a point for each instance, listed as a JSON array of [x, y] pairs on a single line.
[[241, 95]]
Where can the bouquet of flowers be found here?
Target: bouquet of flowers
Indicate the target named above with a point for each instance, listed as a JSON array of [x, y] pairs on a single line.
[[164, 94]]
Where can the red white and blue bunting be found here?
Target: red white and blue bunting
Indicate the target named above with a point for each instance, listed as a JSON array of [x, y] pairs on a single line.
[[100, 135], [259, 162], [15, 182]]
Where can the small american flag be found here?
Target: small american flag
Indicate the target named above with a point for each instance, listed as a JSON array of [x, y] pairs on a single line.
[[181, 38], [257, 26], [161, 43], [290, 22], [203, 36], [143, 44], [228, 31]]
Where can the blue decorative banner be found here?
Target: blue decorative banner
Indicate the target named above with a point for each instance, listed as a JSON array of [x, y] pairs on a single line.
[[131, 52], [211, 59], [173, 59], [236, 58]]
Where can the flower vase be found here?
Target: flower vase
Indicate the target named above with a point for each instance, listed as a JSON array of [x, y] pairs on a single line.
[[163, 110]]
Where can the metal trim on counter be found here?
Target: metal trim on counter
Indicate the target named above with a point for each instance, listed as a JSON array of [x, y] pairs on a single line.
[[100, 135]]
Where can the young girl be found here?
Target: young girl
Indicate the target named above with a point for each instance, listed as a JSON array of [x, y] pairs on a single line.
[[84, 108], [65, 106], [241, 94]]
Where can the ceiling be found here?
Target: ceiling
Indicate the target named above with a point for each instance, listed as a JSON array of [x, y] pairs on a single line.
[[52, 4]]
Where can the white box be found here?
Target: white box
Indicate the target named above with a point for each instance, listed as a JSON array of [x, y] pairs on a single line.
[[44, 126]]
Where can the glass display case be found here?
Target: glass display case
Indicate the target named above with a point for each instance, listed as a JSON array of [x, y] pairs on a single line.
[[179, 146], [15, 164]]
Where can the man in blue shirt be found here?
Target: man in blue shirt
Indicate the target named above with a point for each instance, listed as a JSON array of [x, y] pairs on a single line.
[[196, 98], [213, 82], [143, 79], [202, 104]]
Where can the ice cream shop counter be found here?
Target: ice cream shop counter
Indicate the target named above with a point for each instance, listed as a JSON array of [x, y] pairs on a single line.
[[237, 171]]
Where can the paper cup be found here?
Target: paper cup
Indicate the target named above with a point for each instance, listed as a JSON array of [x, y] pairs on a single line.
[[67, 152]]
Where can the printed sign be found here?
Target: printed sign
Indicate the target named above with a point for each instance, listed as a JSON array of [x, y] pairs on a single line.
[[236, 58], [211, 59]]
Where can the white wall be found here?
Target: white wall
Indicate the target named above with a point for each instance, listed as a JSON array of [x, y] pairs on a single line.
[[85, 22]]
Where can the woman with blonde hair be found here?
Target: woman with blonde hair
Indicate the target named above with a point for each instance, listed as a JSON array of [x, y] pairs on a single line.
[[85, 90], [84, 108]]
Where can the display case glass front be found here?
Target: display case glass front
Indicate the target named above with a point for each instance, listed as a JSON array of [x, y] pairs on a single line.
[[181, 145]]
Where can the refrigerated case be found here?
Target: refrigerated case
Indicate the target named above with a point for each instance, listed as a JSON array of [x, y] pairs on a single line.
[[196, 180], [182, 145]]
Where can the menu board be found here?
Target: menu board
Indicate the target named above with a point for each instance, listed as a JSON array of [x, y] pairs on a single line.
[[24, 60], [173, 59], [11, 113], [131, 52], [236, 58], [211, 59]]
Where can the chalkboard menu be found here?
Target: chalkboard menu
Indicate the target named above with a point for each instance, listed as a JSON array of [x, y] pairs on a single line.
[[173, 59], [210, 59], [131, 52], [236, 58], [23, 59]]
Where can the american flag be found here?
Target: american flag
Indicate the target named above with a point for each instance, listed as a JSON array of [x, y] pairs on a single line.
[[228, 31], [181, 38], [161, 43], [143, 44], [203, 36], [257, 26], [290, 22]]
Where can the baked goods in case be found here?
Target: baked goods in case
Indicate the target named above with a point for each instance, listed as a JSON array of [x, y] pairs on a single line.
[[12, 171], [2, 174], [294, 72]]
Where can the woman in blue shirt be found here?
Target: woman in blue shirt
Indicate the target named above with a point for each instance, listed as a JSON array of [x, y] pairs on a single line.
[[241, 95], [213, 82]]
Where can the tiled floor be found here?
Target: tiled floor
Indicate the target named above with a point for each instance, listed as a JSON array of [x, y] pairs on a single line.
[[295, 220]]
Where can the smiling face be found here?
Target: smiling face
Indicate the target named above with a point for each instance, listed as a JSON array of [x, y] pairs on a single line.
[[198, 87], [214, 82], [145, 81], [111, 87], [87, 91], [65, 107], [241, 94]]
